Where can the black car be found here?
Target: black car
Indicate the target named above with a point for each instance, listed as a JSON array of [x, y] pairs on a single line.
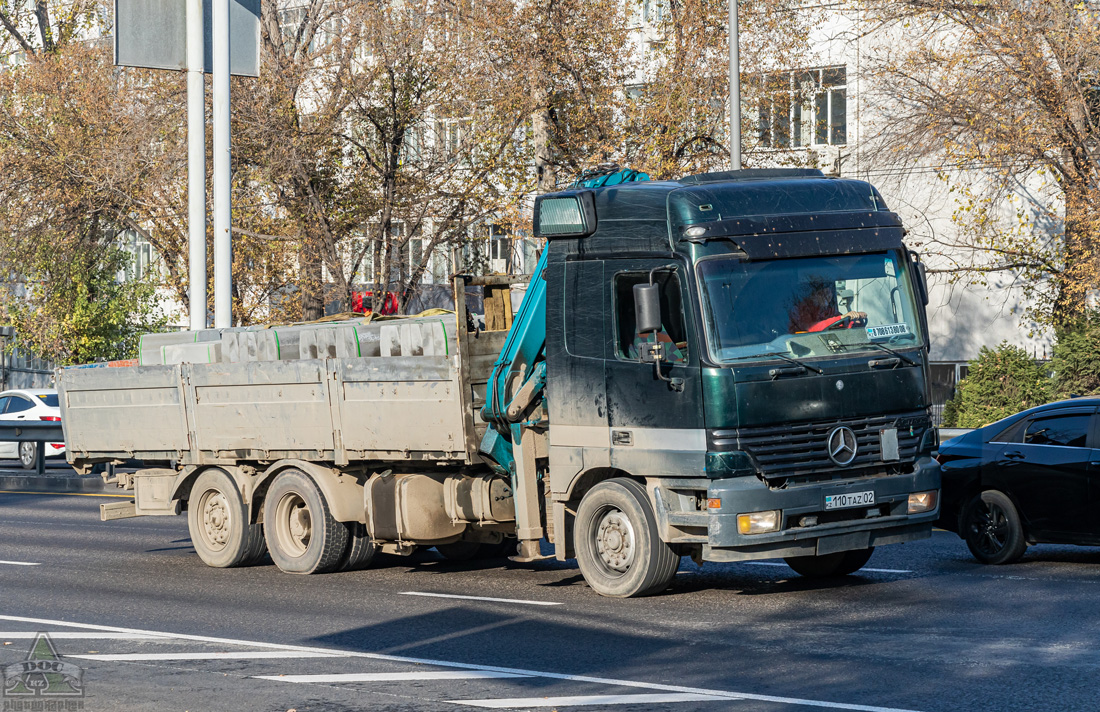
[[1032, 477]]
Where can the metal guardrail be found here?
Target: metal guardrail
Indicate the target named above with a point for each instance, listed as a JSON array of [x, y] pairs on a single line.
[[948, 433], [33, 431]]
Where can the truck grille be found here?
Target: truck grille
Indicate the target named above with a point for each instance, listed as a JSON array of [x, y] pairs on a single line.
[[801, 449]]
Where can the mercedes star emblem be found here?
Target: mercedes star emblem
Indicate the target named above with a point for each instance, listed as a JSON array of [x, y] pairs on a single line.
[[842, 445]]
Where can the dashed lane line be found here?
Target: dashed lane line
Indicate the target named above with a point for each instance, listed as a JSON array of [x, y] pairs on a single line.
[[582, 700], [480, 598], [659, 687], [81, 635], [216, 655], [19, 563], [393, 676]]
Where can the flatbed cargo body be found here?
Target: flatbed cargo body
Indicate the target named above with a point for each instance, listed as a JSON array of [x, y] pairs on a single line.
[[339, 411]]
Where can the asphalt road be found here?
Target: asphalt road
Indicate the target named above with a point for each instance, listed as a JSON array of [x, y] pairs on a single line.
[[922, 628]]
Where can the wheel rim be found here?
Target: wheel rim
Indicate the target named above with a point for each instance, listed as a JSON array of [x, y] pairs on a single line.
[[217, 519], [989, 528], [616, 545], [26, 453], [293, 524]]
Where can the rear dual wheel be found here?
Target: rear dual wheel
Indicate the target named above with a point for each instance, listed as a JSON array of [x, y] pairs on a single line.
[[360, 550], [302, 535], [218, 521]]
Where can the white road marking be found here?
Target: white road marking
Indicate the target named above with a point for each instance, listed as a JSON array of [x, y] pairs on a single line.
[[469, 666], [19, 563], [590, 700], [81, 635], [220, 655], [874, 571], [480, 598], [393, 676]]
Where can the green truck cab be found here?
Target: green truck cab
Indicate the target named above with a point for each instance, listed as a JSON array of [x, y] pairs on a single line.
[[780, 408]]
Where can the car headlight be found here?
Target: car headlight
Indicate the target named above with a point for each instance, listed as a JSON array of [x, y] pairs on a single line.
[[923, 501], [758, 522]]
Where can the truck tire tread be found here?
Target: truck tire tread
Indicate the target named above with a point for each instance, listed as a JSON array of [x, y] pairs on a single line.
[[360, 550], [328, 541]]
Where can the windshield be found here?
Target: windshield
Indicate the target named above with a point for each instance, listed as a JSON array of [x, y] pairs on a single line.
[[805, 307], [49, 399]]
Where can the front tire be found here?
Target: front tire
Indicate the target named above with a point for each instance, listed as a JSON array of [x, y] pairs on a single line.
[[841, 563], [28, 455], [218, 521], [992, 529], [619, 550], [302, 535]]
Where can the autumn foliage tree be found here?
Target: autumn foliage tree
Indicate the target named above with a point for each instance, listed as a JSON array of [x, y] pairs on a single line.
[[1002, 96], [80, 161]]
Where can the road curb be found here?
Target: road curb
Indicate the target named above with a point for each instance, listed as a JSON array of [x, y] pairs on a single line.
[[51, 483]]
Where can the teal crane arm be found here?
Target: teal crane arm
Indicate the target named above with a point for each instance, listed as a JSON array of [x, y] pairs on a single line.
[[518, 380]]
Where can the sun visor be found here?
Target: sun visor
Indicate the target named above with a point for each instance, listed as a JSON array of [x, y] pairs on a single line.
[[799, 235]]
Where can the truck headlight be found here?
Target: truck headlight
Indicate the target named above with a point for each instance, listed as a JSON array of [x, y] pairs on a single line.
[[922, 501], [758, 522]]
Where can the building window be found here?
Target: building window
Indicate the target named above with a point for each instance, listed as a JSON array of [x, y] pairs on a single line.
[[803, 108], [655, 11], [500, 250], [143, 258]]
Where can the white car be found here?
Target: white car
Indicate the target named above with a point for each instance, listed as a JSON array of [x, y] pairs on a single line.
[[29, 404]]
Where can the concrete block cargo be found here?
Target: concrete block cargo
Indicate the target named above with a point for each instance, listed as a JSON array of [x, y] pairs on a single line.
[[729, 366]]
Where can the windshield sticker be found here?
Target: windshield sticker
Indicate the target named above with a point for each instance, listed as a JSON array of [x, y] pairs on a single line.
[[885, 332], [890, 267]]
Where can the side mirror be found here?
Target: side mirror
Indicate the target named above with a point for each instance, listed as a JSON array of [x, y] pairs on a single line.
[[647, 308], [922, 273]]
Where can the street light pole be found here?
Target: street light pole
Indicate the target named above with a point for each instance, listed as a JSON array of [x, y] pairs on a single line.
[[223, 246], [196, 165], [735, 90]]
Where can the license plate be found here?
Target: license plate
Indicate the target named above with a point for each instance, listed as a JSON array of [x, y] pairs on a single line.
[[885, 332], [851, 499]]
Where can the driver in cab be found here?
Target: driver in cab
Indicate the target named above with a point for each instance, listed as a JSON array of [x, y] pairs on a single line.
[[818, 311]]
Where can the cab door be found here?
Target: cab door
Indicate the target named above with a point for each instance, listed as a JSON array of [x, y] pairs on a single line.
[[656, 424], [1046, 470]]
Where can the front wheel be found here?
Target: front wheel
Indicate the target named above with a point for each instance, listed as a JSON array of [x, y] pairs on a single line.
[[302, 535], [218, 521], [28, 455], [841, 563], [619, 550], [992, 529]]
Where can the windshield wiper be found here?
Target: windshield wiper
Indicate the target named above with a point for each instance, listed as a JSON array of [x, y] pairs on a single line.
[[788, 359], [889, 350]]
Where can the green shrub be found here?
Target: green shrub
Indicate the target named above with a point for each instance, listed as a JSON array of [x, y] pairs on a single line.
[[1000, 382], [951, 412], [1076, 362]]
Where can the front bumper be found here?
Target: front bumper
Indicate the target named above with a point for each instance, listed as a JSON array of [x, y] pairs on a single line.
[[886, 522]]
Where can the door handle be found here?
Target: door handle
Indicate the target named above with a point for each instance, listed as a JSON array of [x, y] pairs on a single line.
[[1014, 455]]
